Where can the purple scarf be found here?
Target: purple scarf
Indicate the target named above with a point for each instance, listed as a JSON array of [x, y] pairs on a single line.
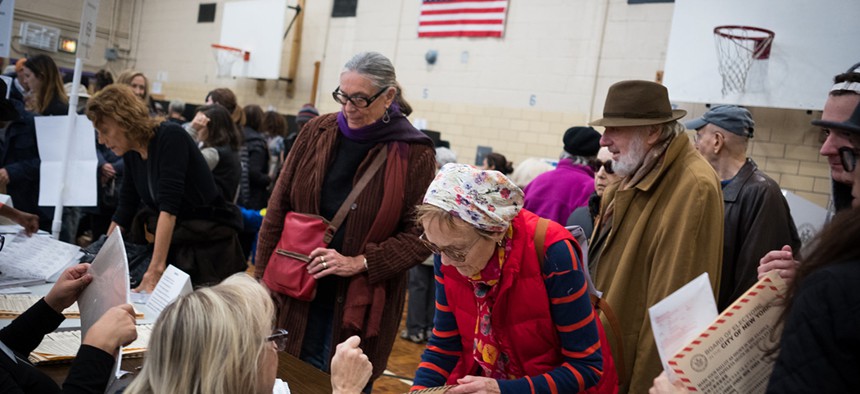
[[397, 129]]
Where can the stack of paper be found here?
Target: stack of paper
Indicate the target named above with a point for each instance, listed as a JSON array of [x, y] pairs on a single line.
[[36, 257], [12, 305], [63, 346]]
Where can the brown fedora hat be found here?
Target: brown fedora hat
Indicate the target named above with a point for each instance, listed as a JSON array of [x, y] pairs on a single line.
[[637, 103]]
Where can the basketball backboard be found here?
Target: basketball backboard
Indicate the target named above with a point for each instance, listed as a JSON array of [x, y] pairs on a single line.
[[814, 40], [256, 26]]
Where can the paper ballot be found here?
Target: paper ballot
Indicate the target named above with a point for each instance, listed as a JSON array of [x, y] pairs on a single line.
[[173, 283], [109, 287], [80, 182], [678, 318], [36, 257]]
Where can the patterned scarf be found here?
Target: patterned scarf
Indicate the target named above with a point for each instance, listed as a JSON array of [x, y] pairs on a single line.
[[486, 350]]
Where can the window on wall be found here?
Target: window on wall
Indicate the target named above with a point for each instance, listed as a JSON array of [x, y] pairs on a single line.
[[344, 8], [206, 13]]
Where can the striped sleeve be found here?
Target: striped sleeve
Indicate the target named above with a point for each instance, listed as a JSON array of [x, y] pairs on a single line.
[[573, 315], [444, 347]]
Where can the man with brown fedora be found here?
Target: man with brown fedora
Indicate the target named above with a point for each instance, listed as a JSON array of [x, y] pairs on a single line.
[[659, 228]]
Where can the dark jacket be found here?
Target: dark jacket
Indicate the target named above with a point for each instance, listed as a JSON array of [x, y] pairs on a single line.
[[19, 155], [258, 169], [90, 370], [227, 172], [820, 346], [758, 220]]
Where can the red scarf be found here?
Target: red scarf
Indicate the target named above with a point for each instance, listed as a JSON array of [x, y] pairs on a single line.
[[487, 350]]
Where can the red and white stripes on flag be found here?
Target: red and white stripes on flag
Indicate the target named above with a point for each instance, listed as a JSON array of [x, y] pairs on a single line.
[[462, 18]]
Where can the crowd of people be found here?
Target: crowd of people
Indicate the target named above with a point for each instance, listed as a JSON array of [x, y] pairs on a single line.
[[361, 207]]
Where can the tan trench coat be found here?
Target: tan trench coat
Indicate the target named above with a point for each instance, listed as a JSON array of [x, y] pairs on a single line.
[[666, 231]]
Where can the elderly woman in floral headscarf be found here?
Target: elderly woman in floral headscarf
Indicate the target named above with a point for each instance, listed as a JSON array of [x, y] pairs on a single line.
[[505, 321]]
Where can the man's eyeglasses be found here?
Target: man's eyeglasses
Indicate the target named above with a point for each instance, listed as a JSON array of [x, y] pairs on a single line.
[[849, 158], [607, 165], [279, 337], [456, 255], [356, 100]]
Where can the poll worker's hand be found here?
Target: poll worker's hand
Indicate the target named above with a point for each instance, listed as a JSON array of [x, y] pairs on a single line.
[[114, 329], [68, 287], [4, 177], [150, 280], [350, 368], [29, 221], [662, 385], [475, 384], [780, 260]]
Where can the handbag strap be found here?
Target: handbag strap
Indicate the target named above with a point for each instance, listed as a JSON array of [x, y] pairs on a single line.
[[340, 216]]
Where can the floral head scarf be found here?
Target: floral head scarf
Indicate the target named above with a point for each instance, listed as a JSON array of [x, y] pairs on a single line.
[[485, 199]]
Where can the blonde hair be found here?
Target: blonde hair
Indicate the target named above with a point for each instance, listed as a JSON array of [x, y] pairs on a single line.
[[119, 103], [127, 76], [209, 341]]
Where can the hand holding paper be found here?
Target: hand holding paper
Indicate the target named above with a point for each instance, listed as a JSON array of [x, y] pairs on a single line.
[[114, 329], [69, 286]]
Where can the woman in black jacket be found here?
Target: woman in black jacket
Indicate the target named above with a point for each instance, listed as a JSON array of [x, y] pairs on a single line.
[[220, 147]]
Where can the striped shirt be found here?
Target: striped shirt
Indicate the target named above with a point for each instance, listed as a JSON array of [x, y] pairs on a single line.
[[571, 311]]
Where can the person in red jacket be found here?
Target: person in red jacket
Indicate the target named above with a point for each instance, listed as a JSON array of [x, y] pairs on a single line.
[[504, 321]]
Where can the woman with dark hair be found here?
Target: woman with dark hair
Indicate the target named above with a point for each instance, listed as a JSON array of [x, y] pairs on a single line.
[[101, 80], [43, 77], [361, 274], [192, 226], [258, 158], [220, 147], [498, 162], [275, 129]]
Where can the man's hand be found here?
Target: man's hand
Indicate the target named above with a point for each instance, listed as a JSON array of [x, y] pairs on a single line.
[[69, 286], [350, 368]]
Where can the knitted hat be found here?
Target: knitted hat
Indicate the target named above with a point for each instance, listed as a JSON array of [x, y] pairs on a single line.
[[307, 113], [581, 141]]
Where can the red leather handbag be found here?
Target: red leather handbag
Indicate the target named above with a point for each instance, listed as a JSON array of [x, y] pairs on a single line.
[[287, 271]]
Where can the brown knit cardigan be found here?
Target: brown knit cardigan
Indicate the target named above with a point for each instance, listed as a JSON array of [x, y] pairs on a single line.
[[388, 261]]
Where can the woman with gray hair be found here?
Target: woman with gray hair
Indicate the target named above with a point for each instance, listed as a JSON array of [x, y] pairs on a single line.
[[359, 276]]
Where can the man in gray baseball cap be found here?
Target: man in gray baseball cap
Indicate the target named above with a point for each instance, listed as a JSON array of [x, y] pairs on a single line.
[[757, 217]]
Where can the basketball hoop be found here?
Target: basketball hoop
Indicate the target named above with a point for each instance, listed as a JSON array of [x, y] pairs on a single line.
[[225, 57], [737, 48]]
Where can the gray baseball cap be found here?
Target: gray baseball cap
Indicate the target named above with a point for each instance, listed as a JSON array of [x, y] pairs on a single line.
[[729, 117]]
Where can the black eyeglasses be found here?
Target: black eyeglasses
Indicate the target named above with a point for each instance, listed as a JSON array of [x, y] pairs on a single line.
[[456, 255], [356, 100], [2, 241], [847, 154], [607, 165], [279, 337]]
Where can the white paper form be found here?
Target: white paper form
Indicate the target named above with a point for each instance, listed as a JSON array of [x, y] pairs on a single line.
[[80, 184], [678, 318], [173, 283], [109, 287], [36, 257]]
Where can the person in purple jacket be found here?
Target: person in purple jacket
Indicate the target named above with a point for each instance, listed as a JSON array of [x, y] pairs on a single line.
[[555, 194]]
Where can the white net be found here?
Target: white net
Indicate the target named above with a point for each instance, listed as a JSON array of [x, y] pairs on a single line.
[[737, 48], [224, 58]]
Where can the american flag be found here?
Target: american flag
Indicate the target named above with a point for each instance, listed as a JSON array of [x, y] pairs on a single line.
[[462, 18]]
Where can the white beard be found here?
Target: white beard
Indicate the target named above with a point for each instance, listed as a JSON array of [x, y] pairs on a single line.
[[627, 164]]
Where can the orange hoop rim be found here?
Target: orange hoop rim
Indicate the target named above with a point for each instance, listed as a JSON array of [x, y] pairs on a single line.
[[226, 48], [719, 31]]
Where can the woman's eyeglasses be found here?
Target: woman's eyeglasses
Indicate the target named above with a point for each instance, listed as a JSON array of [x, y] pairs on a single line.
[[279, 337], [607, 165], [456, 255], [849, 158], [356, 100]]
